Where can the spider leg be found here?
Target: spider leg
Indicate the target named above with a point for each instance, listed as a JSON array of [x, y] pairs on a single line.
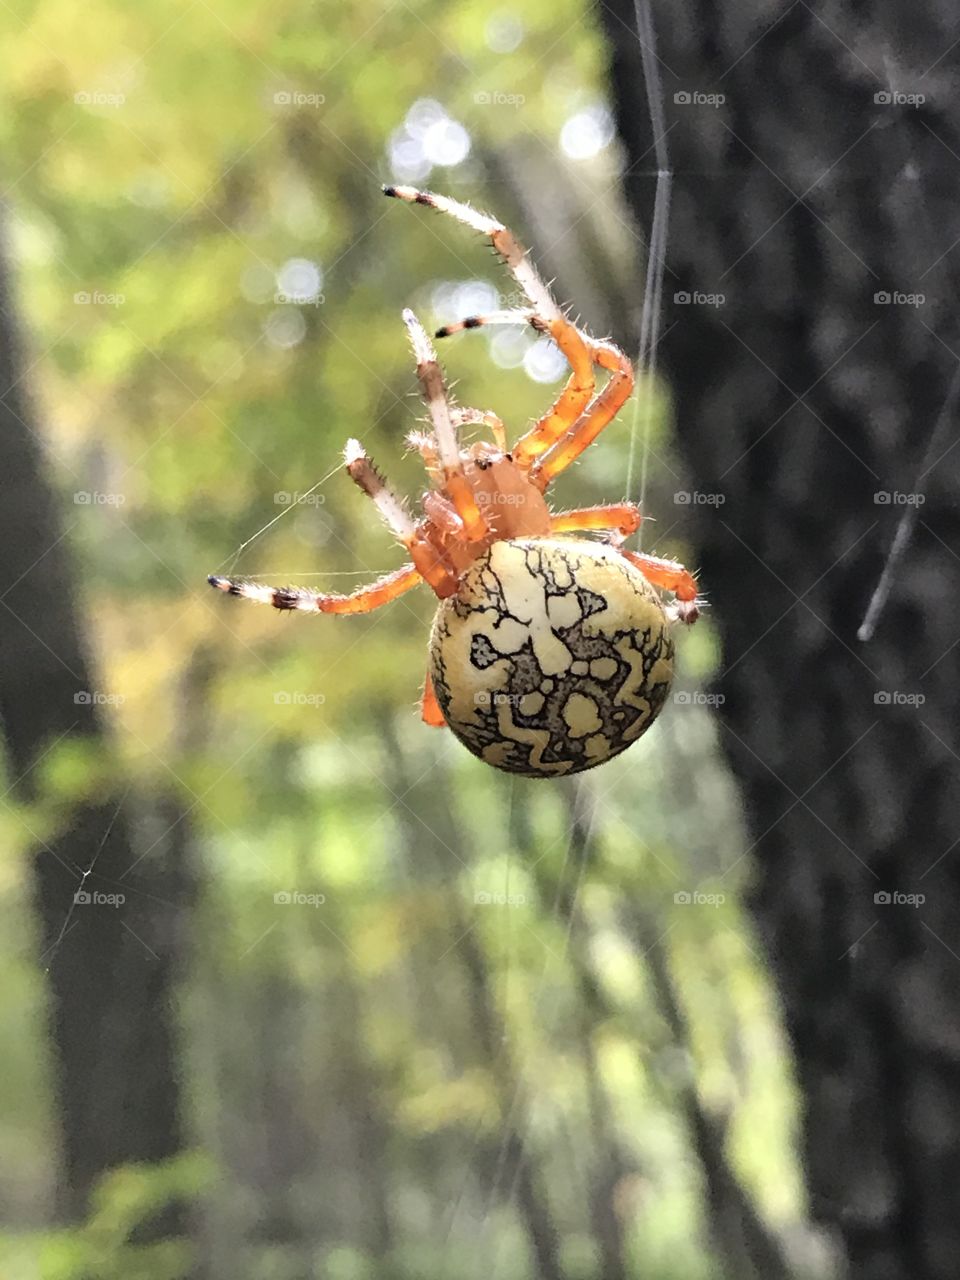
[[575, 396], [363, 600], [671, 575], [425, 556], [447, 445], [598, 414], [509, 248], [620, 519], [488, 419], [430, 711]]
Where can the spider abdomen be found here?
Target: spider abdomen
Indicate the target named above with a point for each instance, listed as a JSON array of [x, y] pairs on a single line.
[[553, 656]]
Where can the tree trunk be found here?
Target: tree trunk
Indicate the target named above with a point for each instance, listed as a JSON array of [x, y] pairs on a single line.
[[806, 199], [110, 968]]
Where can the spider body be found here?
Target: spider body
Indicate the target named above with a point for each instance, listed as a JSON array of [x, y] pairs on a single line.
[[553, 656], [550, 651]]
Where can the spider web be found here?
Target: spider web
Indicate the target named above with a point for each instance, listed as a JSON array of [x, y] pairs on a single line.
[[580, 795]]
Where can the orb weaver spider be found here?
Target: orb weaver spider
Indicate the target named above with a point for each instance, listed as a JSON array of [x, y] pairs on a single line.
[[549, 654]]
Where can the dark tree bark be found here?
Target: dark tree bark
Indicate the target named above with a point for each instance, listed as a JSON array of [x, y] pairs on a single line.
[[110, 969], [799, 399]]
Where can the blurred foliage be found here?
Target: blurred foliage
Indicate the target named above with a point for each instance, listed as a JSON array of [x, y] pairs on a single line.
[[169, 168]]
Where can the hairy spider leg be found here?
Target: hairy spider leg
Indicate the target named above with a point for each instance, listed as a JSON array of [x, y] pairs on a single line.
[[425, 556], [671, 575], [486, 418], [576, 394], [547, 317], [620, 519], [509, 248], [602, 410], [425, 445], [363, 600], [430, 712], [447, 445]]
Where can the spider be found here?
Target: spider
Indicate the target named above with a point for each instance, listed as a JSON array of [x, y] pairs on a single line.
[[549, 653]]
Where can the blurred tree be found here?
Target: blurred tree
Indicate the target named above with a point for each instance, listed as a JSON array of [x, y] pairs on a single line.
[[812, 346], [110, 969]]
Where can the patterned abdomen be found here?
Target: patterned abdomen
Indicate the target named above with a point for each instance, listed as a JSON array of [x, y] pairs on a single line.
[[552, 657]]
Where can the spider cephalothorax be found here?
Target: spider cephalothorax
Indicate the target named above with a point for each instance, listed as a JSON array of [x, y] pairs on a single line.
[[549, 654]]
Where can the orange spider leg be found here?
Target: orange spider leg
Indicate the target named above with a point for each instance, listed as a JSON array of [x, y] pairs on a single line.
[[574, 397], [671, 575], [448, 448], [622, 517], [599, 414], [363, 600], [430, 711]]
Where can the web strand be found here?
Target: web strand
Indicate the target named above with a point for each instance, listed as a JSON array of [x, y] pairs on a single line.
[[908, 521], [651, 313]]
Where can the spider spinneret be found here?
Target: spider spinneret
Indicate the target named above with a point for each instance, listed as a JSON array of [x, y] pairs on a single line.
[[549, 654]]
